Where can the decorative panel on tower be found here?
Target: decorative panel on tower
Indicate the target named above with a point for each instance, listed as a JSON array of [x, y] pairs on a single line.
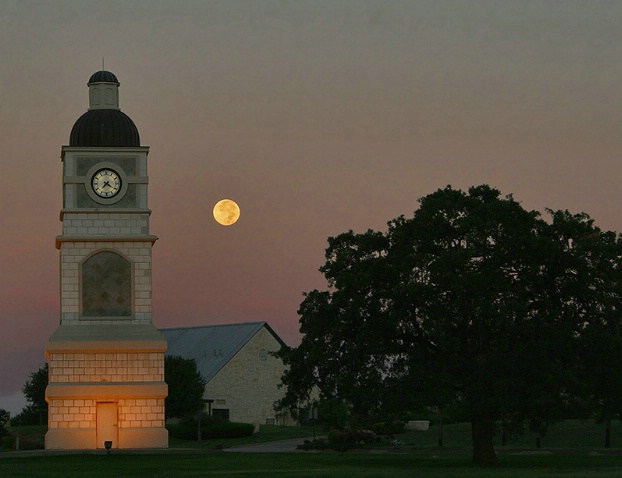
[[106, 358]]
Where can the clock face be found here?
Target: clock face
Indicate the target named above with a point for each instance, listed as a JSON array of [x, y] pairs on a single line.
[[106, 183]]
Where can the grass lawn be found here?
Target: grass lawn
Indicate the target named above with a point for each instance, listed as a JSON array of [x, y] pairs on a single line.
[[567, 434], [579, 436], [304, 465]]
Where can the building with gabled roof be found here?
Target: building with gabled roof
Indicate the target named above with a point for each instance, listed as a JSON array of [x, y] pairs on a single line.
[[236, 360]]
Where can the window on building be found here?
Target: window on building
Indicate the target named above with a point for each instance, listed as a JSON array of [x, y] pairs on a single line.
[[221, 412]]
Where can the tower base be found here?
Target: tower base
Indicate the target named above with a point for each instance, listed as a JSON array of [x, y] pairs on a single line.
[[86, 439], [106, 393]]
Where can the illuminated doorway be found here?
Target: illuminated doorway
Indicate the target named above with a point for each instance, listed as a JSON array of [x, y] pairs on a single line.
[[107, 424]]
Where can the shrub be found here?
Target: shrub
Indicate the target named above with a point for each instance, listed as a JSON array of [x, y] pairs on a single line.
[[337, 437], [188, 431], [8, 443], [318, 444], [365, 436], [340, 440], [30, 445], [30, 415], [389, 428], [4, 419], [229, 430], [183, 432]]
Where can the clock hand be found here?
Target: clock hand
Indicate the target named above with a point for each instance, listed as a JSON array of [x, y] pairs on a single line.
[[107, 183]]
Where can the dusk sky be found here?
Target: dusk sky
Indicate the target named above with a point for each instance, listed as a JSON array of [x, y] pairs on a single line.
[[315, 116]]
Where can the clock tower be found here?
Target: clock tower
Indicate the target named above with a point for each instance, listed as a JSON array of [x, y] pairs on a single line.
[[106, 359]]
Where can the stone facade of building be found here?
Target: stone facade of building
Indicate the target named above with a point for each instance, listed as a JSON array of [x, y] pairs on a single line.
[[247, 386], [238, 364]]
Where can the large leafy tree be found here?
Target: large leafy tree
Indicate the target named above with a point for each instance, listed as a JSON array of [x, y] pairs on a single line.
[[186, 386], [34, 392], [473, 297], [599, 346], [35, 385]]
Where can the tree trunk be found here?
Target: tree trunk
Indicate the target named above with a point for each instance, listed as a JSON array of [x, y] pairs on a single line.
[[483, 429]]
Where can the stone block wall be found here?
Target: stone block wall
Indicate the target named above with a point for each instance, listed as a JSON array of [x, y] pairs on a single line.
[[105, 224], [77, 163], [82, 413], [78, 413], [248, 385], [72, 256], [141, 413], [108, 369]]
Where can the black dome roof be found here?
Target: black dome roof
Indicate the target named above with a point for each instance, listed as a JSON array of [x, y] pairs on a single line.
[[103, 77], [106, 127]]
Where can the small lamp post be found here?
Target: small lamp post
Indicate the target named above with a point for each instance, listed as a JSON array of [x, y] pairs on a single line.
[[209, 402], [314, 416], [42, 410], [440, 427]]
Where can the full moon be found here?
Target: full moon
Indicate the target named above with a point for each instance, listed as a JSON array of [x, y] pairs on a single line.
[[226, 212]]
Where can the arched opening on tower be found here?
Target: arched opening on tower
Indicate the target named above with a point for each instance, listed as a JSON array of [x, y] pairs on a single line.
[[106, 285]]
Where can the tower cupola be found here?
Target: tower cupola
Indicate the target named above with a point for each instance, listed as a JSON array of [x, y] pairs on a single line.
[[103, 91], [104, 124]]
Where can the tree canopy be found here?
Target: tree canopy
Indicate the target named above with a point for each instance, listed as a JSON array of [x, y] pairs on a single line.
[[473, 298], [34, 391], [4, 419], [186, 386], [34, 387]]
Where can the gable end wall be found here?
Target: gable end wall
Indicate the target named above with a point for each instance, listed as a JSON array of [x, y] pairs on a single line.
[[249, 385]]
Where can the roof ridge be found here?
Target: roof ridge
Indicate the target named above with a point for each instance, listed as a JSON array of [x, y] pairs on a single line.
[[213, 325]]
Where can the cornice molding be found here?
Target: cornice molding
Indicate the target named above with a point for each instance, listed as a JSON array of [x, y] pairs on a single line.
[[121, 238]]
